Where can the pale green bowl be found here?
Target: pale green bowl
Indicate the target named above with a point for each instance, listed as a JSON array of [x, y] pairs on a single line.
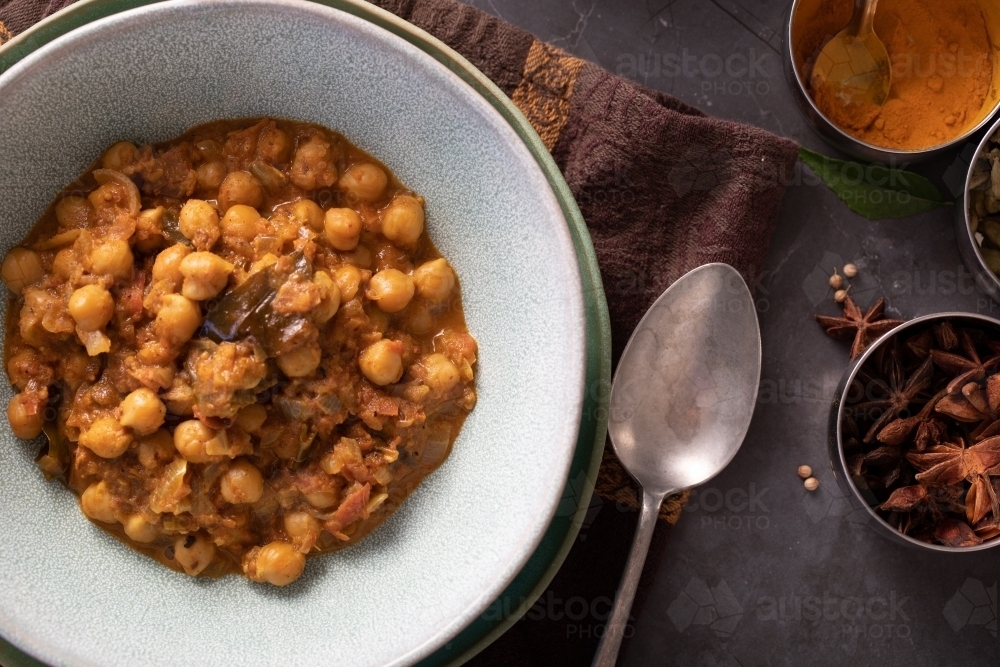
[[496, 208]]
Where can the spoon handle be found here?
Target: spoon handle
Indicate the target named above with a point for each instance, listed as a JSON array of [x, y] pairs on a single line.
[[863, 17], [607, 650]]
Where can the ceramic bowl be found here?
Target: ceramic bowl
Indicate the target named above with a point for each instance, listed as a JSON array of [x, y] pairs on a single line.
[[73, 595], [797, 73], [849, 394]]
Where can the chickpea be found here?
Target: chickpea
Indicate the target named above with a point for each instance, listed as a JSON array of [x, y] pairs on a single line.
[[251, 417], [439, 373], [76, 367], [301, 527], [403, 220], [240, 187], [307, 212], [143, 412], [240, 222], [106, 438], [73, 212], [434, 280], [343, 228], [330, 302], [178, 318], [391, 290], [21, 267], [194, 553], [25, 425], [242, 483], [322, 500], [199, 221], [419, 319], [156, 449], [112, 258], [64, 263], [205, 275], [313, 165], [279, 563], [91, 307], [364, 182], [361, 257], [301, 361], [96, 503], [382, 362], [168, 264], [120, 155], [273, 144], [149, 230], [192, 438], [348, 279], [140, 530], [211, 175]]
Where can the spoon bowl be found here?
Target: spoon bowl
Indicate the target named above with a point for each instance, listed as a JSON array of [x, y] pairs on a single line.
[[681, 403], [852, 71], [685, 387]]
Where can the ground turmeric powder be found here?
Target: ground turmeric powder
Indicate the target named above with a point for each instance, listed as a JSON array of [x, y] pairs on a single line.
[[942, 69]]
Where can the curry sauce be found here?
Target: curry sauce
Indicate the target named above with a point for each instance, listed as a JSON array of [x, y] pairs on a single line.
[[241, 344]]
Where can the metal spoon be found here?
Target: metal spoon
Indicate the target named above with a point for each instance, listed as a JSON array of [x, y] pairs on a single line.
[[681, 403], [854, 66]]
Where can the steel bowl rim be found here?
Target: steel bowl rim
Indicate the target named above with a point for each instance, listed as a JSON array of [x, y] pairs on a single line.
[[848, 379], [844, 136], [966, 195]]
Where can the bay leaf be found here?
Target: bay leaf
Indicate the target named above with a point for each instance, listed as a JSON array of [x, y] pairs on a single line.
[[873, 190]]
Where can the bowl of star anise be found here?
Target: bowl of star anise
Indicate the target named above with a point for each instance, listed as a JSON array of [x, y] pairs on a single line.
[[915, 432]]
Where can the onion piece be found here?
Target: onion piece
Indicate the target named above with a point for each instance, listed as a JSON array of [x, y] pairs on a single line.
[[170, 489], [103, 176], [272, 179], [65, 238]]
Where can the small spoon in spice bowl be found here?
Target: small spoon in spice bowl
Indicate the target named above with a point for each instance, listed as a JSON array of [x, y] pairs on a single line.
[[853, 71], [681, 404]]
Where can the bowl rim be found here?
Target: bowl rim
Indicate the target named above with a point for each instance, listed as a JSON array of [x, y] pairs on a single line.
[[845, 138], [984, 272], [838, 410], [558, 538]]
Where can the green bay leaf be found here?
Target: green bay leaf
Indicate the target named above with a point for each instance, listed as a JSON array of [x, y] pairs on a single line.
[[873, 190]]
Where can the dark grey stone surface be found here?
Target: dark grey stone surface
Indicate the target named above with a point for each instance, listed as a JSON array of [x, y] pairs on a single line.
[[759, 571]]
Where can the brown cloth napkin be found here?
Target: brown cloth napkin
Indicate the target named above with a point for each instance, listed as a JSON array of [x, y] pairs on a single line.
[[663, 189]]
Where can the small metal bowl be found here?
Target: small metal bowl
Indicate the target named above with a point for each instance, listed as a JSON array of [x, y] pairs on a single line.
[[967, 246], [835, 440], [861, 149]]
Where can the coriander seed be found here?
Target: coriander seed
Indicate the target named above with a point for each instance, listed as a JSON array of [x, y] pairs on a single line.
[[840, 296], [805, 472], [850, 270], [811, 484], [836, 282]]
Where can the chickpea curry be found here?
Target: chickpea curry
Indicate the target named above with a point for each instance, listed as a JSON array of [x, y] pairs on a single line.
[[241, 344]]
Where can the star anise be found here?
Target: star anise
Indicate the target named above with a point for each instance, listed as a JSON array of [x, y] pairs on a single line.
[[966, 367], [971, 404], [899, 392], [952, 463], [920, 432], [930, 430], [954, 533], [923, 506], [863, 328]]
